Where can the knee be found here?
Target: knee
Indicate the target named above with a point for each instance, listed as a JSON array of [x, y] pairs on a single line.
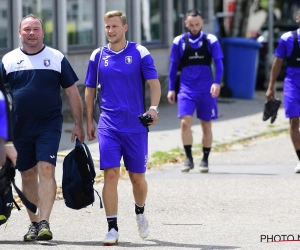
[[111, 175], [46, 170], [185, 126], [138, 182]]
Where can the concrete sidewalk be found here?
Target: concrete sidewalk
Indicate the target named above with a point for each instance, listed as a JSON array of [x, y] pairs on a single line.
[[238, 119]]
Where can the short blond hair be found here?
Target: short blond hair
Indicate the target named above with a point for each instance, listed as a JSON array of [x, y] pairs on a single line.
[[114, 13]]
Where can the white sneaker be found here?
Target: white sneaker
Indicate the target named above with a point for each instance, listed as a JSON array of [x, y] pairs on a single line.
[[297, 169], [143, 225], [111, 238]]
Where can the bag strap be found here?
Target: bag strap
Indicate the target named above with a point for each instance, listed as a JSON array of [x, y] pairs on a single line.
[[101, 206], [97, 84], [30, 206]]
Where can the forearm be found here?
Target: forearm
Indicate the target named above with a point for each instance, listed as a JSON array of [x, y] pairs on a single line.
[[89, 97], [275, 71], [219, 70], [172, 75], [75, 104], [155, 91]]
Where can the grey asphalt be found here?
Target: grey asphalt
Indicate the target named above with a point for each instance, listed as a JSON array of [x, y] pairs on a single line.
[[251, 192]]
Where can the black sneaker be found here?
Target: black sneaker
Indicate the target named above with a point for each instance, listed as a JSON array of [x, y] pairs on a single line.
[[275, 106], [32, 232], [204, 166], [271, 109], [267, 111], [44, 231], [188, 165]]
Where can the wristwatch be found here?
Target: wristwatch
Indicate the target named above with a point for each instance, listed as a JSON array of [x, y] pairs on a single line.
[[155, 108]]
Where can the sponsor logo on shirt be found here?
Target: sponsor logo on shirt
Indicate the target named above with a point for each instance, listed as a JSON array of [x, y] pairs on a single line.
[[20, 65], [128, 59], [47, 62], [196, 56]]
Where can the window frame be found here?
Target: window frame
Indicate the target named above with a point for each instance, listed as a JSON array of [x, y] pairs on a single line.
[[184, 7], [163, 39], [78, 48], [9, 47], [54, 20]]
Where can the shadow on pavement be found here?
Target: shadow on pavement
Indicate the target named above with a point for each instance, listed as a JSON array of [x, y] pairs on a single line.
[[152, 243], [228, 108]]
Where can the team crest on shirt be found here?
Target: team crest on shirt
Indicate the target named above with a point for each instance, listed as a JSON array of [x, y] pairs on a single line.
[[128, 59], [200, 44], [47, 62]]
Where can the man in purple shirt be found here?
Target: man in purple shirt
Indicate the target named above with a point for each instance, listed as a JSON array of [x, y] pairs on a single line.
[[194, 52], [3, 128], [288, 48], [122, 68]]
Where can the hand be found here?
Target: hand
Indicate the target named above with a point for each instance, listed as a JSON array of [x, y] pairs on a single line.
[[171, 96], [153, 114], [215, 90], [11, 152], [270, 94], [91, 131], [78, 132]]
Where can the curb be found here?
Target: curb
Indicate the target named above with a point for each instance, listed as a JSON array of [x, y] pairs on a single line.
[[250, 137]]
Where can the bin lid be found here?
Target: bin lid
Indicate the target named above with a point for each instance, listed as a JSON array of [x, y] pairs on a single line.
[[246, 42]]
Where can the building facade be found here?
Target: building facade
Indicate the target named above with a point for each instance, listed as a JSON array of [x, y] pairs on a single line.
[[76, 27]]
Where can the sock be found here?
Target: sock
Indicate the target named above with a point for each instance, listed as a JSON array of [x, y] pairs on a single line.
[[206, 152], [138, 209], [298, 153], [188, 151], [112, 222]]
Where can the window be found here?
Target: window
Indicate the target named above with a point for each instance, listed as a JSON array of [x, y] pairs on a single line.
[[179, 10], [44, 9], [4, 26], [151, 16], [202, 6], [81, 22], [198, 4]]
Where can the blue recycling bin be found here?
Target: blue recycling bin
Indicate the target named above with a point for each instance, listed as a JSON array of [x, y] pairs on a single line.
[[240, 65]]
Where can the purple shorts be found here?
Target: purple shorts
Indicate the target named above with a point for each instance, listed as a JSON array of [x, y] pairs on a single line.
[[291, 106], [133, 147], [206, 106]]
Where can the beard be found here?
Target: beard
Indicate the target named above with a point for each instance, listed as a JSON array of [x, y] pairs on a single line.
[[195, 33]]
